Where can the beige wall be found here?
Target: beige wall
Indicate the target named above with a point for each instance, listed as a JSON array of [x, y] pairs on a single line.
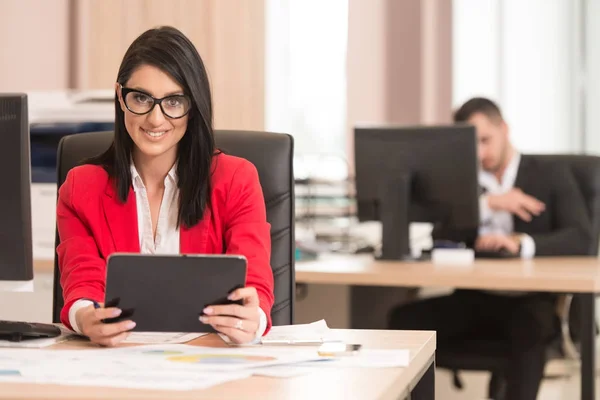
[[229, 35], [61, 44], [34, 53], [399, 63]]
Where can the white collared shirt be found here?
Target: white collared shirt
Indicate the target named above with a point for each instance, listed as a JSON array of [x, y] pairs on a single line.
[[167, 231], [501, 222]]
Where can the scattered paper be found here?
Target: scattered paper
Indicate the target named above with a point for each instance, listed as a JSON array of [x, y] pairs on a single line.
[[107, 376], [65, 335], [161, 337], [365, 358], [163, 380], [181, 366], [186, 357], [284, 371], [308, 334], [170, 366]]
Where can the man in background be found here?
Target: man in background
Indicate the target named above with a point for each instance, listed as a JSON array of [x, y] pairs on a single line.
[[529, 209]]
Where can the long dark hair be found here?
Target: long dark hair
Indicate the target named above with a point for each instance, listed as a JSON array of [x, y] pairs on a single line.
[[171, 51]]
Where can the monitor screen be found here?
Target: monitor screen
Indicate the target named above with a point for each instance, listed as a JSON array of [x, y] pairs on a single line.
[[16, 260], [417, 174]]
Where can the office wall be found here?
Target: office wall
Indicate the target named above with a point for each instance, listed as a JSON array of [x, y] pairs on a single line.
[[229, 35], [399, 63], [476, 55], [33, 45], [530, 65], [78, 44], [305, 66], [591, 81]]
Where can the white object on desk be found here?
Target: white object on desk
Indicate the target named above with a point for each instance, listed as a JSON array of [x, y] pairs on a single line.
[[453, 256], [365, 358], [171, 366], [71, 368], [369, 358], [306, 334], [183, 356]]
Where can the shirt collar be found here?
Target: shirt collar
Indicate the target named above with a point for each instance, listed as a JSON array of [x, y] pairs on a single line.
[[488, 179], [136, 179]]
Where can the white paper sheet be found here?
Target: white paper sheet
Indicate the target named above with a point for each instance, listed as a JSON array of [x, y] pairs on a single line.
[[171, 366], [285, 371], [161, 337], [310, 334], [365, 358], [371, 358], [186, 357], [131, 378]]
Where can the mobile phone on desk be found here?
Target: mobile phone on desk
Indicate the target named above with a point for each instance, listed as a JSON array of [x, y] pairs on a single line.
[[338, 349]]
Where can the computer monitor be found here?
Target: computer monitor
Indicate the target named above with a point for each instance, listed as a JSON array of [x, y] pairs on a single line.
[[16, 259], [417, 174], [16, 256]]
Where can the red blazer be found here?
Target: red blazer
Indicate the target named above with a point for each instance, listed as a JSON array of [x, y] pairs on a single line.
[[93, 223]]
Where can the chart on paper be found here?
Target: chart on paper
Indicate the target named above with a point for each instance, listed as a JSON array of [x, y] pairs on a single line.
[[207, 358], [170, 367]]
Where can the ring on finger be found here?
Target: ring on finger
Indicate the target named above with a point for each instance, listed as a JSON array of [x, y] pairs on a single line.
[[239, 325]]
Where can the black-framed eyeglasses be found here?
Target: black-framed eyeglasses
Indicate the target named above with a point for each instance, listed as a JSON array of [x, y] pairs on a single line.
[[140, 103]]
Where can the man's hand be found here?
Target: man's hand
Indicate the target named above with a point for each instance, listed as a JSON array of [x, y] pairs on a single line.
[[516, 202], [497, 242]]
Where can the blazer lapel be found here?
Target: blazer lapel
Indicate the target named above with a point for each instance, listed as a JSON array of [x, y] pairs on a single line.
[[522, 181], [523, 175], [122, 220], [194, 240]]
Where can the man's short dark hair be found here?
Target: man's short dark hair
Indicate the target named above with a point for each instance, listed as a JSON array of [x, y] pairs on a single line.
[[478, 105]]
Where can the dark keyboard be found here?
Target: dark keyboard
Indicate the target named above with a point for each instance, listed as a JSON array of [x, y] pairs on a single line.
[[495, 254], [15, 331]]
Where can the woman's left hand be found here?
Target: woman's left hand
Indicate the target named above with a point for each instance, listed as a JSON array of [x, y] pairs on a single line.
[[239, 322]]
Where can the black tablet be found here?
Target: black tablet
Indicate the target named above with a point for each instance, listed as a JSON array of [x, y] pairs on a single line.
[[167, 293]]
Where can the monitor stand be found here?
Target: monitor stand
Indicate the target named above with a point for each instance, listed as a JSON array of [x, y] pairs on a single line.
[[394, 206]]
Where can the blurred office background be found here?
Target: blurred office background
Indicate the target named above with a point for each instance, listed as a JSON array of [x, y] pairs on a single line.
[[316, 69]]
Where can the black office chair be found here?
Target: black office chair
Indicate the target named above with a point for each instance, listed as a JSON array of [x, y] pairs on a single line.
[[471, 354], [272, 155]]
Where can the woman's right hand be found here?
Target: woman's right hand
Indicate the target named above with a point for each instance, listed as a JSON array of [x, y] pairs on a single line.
[[89, 321]]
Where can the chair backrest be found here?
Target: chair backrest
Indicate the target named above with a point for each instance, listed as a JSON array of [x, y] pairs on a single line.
[[271, 154], [586, 170]]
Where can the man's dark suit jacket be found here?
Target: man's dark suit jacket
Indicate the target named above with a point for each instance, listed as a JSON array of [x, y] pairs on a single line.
[[564, 228]]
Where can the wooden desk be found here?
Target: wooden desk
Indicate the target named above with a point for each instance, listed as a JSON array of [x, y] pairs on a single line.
[[349, 383], [557, 274], [580, 275]]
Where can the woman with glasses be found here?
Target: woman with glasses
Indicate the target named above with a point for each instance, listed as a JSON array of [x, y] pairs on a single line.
[[162, 188]]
